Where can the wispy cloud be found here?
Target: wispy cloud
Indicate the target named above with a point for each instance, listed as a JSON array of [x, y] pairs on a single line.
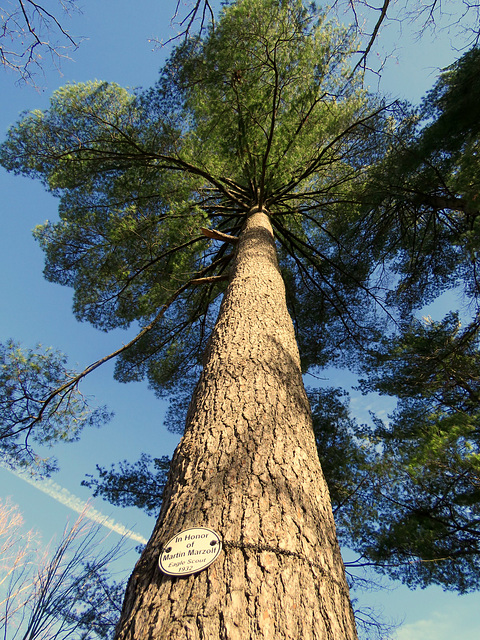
[[455, 622], [62, 495]]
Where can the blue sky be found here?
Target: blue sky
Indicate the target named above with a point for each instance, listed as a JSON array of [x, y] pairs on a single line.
[[116, 48]]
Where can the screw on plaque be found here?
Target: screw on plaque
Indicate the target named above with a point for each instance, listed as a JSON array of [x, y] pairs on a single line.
[[167, 550], [213, 543]]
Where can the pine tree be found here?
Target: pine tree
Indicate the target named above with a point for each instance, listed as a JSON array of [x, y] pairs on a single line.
[[170, 199]]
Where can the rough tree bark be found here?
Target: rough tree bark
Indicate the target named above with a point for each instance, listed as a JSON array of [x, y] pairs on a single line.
[[247, 467]]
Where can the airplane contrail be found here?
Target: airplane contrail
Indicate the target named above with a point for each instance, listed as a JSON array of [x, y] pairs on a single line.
[[62, 495]]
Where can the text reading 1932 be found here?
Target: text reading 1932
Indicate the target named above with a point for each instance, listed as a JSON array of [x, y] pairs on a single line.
[[190, 551]]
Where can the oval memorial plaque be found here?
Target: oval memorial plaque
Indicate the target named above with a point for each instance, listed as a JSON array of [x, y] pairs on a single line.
[[190, 551]]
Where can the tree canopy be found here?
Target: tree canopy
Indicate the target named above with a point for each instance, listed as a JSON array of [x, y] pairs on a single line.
[[139, 176], [426, 527], [427, 501], [374, 211]]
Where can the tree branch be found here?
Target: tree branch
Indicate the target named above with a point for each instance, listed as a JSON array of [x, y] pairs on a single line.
[[73, 382], [218, 235], [363, 60]]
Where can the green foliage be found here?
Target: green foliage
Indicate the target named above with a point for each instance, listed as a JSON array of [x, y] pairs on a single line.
[[452, 107], [267, 113], [281, 125], [374, 212], [430, 360], [424, 194], [30, 415], [138, 484], [427, 528]]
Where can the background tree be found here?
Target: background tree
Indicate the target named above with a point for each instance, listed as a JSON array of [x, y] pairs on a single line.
[[371, 20], [427, 520], [15, 583], [425, 492], [301, 151], [33, 411], [56, 594], [134, 484], [428, 189]]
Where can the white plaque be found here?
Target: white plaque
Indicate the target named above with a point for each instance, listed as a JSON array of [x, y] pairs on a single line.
[[190, 551]]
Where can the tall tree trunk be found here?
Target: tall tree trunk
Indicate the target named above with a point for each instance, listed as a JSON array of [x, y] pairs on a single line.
[[248, 468]]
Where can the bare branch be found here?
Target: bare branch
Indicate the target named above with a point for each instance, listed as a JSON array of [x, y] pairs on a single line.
[[54, 593], [370, 17], [209, 280], [201, 11], [383, 14], [29, 32]]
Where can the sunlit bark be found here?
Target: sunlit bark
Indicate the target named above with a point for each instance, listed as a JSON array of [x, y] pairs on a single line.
[[247, 467]]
